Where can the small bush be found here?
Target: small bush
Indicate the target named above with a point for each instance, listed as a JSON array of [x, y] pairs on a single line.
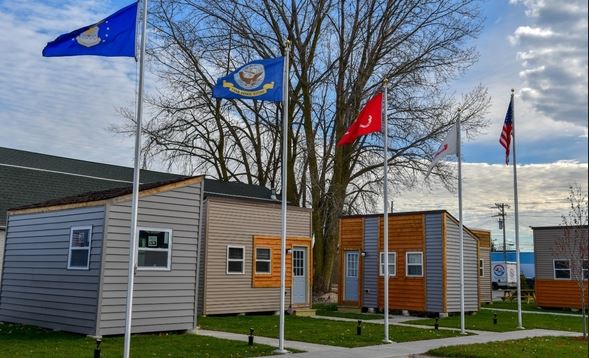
[[325, 306]]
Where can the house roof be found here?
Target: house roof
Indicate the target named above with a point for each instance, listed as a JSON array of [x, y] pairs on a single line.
[[555, 227], [28, 178]]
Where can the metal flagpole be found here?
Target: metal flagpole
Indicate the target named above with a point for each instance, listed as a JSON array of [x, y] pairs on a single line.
[[515, 204], [386, 216], [461, 227], [135, 199], [284, 188]]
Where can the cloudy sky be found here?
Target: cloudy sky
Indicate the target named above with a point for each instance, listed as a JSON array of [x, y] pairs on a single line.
[[65, 106]]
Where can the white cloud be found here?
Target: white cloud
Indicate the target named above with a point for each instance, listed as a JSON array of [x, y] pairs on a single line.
[[63, 105], [542, 192]]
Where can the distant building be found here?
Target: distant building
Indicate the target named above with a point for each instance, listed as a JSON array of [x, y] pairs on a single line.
[[527, 263]]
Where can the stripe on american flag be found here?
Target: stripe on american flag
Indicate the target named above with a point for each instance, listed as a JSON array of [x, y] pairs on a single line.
[[505, 138]]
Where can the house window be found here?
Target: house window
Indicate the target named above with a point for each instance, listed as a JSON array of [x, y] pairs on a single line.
[[414, 264], [392, 264], [263, 260], [562, 269], [235, 259], [154, 249], [80, 244], [585, 269], [481, 267]]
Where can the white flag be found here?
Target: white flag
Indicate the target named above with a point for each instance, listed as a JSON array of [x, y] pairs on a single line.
[[448, 147]]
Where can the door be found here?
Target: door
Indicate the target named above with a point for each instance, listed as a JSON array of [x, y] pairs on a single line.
[[351, 279], [299, 276]]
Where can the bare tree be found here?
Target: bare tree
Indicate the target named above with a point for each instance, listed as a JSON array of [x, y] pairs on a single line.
[[573, 245], [341, 52]]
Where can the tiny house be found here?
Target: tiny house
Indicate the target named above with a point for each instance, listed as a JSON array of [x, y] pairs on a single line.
[[556, 284], [240, 256], [66, 260], [424, 271]]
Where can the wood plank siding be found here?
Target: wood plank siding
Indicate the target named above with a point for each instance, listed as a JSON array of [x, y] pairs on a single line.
[[37, 287], [163, 299], [406, 234], [485, 288], [559, 293], [273, 243], [237, 222]]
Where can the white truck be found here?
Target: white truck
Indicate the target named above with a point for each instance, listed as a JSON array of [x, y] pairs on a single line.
[[504, 274]]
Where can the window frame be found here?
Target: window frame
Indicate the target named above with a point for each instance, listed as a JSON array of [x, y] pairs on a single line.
[[169, 250], [560, 269], [69, 256], [381, 264], [227, 259], [481, 267], [585, 271], [269, 261], [407, 263]]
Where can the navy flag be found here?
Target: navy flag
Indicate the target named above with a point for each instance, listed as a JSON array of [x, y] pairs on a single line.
[[260, 79], [113, 36]]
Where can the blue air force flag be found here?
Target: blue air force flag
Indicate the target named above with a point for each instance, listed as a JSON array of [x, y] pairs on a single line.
[[113, 36], [260, 79]]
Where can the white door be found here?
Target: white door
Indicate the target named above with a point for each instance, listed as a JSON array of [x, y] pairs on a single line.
[[299, 276]]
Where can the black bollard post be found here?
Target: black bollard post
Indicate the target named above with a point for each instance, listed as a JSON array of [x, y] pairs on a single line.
[[436, 325], [359, 328], [494, 318], [97, 349], [250, 338]]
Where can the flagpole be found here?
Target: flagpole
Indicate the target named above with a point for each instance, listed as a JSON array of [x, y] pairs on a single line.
[[461, 226], [281, 349], [386, 216], [515, 202], [135, 199]]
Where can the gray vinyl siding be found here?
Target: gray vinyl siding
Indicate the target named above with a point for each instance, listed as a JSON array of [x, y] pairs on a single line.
[[485, 280], [545, 241], [162, 300], [433, 262], [235, 222], [371, 270], [2, 241], [471, 265], [37, 287]]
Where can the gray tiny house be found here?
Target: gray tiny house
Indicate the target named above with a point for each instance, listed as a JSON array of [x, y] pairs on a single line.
[[66, 261]]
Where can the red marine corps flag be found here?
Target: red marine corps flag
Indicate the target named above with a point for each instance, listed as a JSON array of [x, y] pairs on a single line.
[[369, 120]]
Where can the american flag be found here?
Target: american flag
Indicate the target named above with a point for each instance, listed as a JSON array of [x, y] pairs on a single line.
[[505, 138]]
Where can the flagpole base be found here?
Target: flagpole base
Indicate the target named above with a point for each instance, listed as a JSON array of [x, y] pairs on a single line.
[[281, 351], [387, 341], [521, 327]]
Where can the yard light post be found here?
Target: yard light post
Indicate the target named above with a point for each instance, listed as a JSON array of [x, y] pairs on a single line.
[[250, 338], [359, 328], [97, 349]]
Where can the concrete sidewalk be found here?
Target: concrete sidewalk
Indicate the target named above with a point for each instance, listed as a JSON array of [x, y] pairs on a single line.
[[390, 350]]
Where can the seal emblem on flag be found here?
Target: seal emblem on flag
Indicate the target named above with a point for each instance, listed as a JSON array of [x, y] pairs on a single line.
[[250, 76], [89, 37]]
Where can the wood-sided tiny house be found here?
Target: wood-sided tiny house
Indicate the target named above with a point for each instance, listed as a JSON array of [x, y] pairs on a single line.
[[557, 283], [424, 268]]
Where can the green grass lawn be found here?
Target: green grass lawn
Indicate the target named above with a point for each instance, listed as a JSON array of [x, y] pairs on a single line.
[[526, 307], [540, 347], [319, 331], [27, 341], [507, 321]]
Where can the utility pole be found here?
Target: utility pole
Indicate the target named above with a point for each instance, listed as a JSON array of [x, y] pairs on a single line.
[[501, 207]]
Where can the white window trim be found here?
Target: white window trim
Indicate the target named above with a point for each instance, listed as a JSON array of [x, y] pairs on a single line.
[[69, 256], [554, 270], [381, 264], [269, 261], [242, 260], [407, 263], [482, 267], [169, 249]]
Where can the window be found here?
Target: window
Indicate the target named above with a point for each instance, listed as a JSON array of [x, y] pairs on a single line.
[[585, 271], [235, 259], [481, 267], [562, 269], [263, 260], [352, 259], [414, 264], [80, 243], [154, 249], [392, 264]]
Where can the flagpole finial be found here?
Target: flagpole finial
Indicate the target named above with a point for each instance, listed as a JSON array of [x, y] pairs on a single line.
[[512, 91], [385, 81]]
